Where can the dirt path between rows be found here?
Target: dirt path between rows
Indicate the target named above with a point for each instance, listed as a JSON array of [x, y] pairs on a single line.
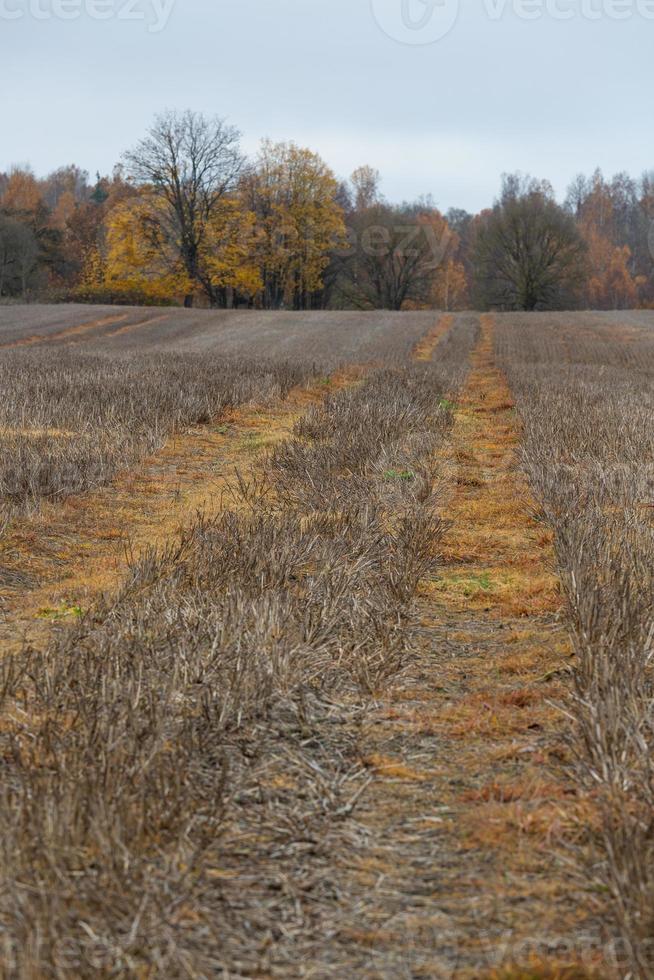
[[462, 876], [56, 564], [425, 348], [69, 333]]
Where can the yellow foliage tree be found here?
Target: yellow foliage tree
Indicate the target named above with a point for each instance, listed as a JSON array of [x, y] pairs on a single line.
[[293, 194], [143, 254], [93, 272]]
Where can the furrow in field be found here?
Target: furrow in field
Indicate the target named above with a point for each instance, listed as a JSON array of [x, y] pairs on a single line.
[[58, 562], [129, 327], [67, 334], [424, 349], [459, 876], [55, 564]]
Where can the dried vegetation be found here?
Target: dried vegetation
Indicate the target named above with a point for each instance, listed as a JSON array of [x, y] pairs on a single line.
[[585, 393], [69, 420], [180, 769]]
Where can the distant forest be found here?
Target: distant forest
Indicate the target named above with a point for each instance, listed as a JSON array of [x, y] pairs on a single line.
[[186, 218]]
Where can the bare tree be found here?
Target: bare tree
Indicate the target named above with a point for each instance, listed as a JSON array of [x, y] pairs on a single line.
[[395, 257], [7, 256], [191, 162], [19, 257], [365, 184], [528, 254], [27, 257]]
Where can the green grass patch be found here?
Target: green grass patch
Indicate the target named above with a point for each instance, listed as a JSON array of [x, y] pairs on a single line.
[[399, 475], [64, 611], [467, 585]]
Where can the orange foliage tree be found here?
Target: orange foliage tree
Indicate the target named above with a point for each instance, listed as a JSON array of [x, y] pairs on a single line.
[[611, 285]]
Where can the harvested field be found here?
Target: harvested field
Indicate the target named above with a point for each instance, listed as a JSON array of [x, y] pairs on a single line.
[[328, 338], [234, 645], [82, 398], [69, 423], [352, 675], [587, 401]]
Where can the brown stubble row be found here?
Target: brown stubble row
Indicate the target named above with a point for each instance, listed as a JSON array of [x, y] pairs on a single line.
[[69, 422], [99, 455], [460, 876], [182, 770], [83, 398], [586, 400], [58, 559], [77, 497], [424, 349]]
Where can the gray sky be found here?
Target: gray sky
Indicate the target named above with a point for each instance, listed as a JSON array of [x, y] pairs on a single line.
[[351, 79]]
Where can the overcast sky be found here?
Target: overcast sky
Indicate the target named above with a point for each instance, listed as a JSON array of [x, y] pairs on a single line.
[[360, 81]]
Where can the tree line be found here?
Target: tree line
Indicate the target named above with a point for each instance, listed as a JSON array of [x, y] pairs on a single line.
[[188, 218]]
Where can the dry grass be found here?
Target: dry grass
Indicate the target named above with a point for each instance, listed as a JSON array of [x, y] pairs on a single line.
[[456, 871], [329, 338], [68, 553], [314, 732], [585, 396], [180, 765], [118, 410]]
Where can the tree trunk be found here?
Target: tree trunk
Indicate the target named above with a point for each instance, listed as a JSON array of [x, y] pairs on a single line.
[[188, 301]]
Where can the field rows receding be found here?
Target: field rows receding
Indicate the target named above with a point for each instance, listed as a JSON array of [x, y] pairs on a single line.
[[309, 600], [75, 422], [313, 732], [326, 337], [86, 391], [59, 558]]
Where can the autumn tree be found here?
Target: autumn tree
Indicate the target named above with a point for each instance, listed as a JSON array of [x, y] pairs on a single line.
[[19, 258], [450, 287], [613, 219], [396, 257], [462, 227], [86, 233], [30, 227], [70, 182], [611, 284], [21, 196], [188, 165], [143, 258], [365, 187], [295, 199], [528, 253]]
